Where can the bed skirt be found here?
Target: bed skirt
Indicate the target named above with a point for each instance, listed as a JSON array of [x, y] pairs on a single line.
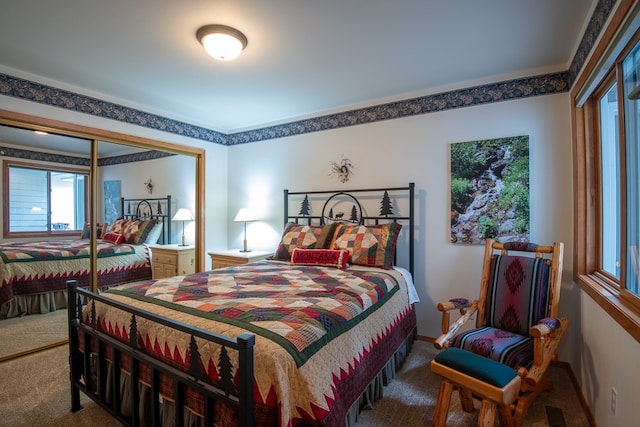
[[373, 393], [22, 305], [35, 301]]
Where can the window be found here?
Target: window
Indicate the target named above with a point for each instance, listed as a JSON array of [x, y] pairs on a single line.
[[606, 138], [41, 200], [610, 181], [631, 80]]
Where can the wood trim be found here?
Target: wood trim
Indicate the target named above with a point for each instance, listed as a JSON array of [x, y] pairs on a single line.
[[585, 174]]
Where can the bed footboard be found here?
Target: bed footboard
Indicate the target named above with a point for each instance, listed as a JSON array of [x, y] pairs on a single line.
[[97, 363]]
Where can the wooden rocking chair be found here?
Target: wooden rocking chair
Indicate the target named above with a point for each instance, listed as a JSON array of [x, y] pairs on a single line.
[[517, 334]]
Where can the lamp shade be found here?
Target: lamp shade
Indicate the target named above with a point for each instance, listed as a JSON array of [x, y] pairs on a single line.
[[245, 215], [183, 214]]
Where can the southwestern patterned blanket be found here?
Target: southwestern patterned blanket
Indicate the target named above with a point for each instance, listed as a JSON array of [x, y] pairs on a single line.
[[28, 268], [316, 328]]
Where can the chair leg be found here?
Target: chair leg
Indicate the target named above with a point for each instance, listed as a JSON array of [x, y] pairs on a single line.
[[506, 416], [466, 399], [526, 399], [487, 417], [442, 405]]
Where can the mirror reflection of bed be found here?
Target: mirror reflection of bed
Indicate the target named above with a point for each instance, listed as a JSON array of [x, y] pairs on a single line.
[[132, 166]]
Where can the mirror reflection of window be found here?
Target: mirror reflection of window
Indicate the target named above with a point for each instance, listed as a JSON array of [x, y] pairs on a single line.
[[45, 200]]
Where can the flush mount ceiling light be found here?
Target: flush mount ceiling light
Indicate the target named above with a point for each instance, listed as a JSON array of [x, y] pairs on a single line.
[[221, 42]]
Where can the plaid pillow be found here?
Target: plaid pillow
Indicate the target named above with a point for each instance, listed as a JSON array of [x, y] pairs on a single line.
[[370, 245], [119, 225], [136, 232], [303, 237]]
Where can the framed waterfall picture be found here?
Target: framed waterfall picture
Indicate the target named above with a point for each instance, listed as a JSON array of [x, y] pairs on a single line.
[[111, 201], [490, 190]]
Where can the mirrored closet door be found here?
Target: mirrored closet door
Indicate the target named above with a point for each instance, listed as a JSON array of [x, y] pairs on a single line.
[[61, 182]]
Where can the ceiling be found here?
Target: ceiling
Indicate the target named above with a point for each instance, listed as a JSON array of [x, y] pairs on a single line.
[[303, 59]]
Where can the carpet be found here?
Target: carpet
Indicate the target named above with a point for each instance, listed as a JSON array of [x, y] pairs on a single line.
[[36, 393], [21, 335]]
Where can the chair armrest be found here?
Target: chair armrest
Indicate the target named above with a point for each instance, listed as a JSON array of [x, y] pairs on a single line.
[[454, 303], [546, 339], [448, 331], [545, 327]]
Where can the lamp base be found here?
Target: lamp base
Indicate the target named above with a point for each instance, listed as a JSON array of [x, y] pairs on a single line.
[[183, 241]]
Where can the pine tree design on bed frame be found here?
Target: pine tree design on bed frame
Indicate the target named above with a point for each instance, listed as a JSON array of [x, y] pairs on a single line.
[[386, 208], [304, 206]]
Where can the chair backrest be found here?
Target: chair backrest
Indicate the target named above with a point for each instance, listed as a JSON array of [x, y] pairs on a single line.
[[519, 289]]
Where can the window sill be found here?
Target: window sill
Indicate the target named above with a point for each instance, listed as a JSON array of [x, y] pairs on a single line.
[[621, 311]]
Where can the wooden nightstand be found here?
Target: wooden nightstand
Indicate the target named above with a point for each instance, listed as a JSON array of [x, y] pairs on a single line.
[[235, 257], [172, 260]]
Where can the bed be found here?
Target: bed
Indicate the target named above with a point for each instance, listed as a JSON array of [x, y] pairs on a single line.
[[34, 275], [307, 338]]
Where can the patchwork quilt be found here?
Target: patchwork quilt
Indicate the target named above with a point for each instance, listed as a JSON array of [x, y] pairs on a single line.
[[36, 267], [322, 333]]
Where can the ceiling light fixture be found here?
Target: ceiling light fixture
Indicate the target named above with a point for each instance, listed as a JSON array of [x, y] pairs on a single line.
[[221, 42]]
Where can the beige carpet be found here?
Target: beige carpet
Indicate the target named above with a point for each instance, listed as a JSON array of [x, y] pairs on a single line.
[[22, 334], [35, 392]]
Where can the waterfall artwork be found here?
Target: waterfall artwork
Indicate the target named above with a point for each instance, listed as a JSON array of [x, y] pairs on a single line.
[[490, 190]]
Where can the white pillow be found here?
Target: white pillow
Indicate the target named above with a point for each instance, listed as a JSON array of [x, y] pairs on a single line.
[[154, 234]]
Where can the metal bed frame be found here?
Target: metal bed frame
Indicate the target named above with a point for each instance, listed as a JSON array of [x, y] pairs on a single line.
[[158, 208], [92, 351]]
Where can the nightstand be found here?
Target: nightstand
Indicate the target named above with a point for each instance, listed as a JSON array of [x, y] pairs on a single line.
[[235, 257], [172, 260]]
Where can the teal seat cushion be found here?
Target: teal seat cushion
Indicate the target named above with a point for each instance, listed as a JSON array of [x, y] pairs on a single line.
[[486, 370]]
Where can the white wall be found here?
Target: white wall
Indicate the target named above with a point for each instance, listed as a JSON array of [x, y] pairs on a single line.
[[608, 358], [180, 184], [415, 149]]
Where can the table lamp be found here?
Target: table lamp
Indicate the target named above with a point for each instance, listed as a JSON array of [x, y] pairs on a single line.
[[245, 215], [183, 215]]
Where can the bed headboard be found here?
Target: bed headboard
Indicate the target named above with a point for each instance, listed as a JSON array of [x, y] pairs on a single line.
[[158, 208], [372, 206]]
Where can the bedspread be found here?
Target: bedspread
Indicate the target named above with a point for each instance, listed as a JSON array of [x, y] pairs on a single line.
[[314, 327], [37, 267]]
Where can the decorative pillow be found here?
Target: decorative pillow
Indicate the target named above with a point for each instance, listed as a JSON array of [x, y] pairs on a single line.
[[119, 225], [102, 229], [136, 232], [370, 245], [304, 237], [114, 238], [86, 231], [328, 257]]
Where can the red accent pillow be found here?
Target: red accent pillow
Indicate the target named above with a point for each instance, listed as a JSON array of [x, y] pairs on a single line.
[[327, 257], [114, 238]]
